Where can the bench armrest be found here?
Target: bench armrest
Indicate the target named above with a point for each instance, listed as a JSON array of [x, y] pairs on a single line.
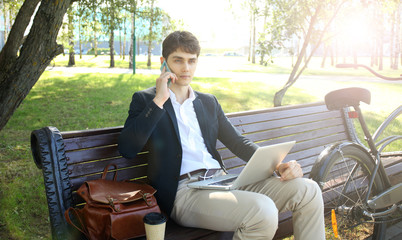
[[48, 153]]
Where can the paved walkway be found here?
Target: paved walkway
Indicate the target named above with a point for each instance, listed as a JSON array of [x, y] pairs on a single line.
[[224, 74]]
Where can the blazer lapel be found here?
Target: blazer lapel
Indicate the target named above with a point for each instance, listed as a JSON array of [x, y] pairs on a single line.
[[169, 109], [202, 121]]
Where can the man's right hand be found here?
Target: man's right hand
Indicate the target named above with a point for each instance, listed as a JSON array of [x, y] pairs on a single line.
[[162, 91]]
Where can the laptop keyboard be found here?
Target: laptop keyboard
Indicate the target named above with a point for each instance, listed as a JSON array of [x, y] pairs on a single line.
[[226, 182]]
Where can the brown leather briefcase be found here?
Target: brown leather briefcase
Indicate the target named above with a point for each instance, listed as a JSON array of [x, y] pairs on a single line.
[[113, 209]]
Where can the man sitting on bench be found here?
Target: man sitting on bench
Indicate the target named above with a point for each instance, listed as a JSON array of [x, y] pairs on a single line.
[[180, 127]]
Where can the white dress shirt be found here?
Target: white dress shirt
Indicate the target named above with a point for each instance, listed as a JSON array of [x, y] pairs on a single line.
[[195, 153]]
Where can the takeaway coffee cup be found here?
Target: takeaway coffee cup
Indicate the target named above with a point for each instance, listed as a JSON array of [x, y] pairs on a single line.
[[155, 224]]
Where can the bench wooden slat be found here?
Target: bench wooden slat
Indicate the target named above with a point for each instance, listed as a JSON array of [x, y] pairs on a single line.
[[90, 141], [123, 174], [248, 117], [266, 125], [335, 124], [301, 142], [324, 141], [78, 170], [105, 152], [307, 163], [391, 160], [314, 128], [301, 131], [91, 132], [394, 169]]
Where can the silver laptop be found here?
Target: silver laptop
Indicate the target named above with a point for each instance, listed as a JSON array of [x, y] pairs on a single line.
[[260, 166]]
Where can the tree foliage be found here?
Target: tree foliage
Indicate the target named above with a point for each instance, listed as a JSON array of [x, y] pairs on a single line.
[[23, 59], [154, 25], [289, 21], [300, 27]]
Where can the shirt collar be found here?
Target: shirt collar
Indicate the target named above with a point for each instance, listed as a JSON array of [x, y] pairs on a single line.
[[191, 96]]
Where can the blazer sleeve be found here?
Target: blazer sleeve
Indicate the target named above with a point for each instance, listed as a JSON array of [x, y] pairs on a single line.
[[142, 118]]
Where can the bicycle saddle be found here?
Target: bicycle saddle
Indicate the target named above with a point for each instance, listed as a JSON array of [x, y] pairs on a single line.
[[347, 97]]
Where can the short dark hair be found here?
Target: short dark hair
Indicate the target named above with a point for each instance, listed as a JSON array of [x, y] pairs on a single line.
[[183, 40]]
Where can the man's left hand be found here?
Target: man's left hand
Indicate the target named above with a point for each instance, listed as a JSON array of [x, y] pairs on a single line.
[[290, 170]]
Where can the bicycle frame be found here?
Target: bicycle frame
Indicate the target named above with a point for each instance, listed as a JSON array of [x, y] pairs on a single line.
[[374, 152], [392, 193], [386, 141]]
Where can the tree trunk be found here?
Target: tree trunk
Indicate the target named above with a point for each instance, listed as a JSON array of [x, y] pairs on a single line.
[[95, 42], [380, 51], [293, 76], [111, 46], [381, 42], [149, 52], [80, 36], [151, 25], [373, 52], [5, 21], [253, 57], [111, 34], [392, 46], [71, 58], [397, 37], [121, 45], [80, 42], [281, 93], [336, 51], [130, 52], [124, 39], [251, 37], [325, 56], [20, 72]]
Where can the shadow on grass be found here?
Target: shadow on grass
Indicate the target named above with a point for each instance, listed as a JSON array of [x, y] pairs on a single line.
[[80, 101]]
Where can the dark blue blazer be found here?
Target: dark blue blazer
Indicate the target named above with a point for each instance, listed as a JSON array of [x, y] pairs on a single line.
[[157, 128]]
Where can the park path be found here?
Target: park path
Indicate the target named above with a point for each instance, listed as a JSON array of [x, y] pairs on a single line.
[[225, 74]]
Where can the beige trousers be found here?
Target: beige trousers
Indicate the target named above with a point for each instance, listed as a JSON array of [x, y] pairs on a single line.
[[252, 211]]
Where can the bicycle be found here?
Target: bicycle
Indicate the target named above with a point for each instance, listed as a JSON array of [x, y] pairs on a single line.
[[352, 176]]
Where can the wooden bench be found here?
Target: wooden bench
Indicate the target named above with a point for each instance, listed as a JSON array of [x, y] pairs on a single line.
[[70, 158]]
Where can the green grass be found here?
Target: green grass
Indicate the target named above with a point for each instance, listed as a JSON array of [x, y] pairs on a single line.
[[79, 101]]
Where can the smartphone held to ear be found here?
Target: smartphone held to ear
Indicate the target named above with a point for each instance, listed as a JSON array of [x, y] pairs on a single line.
[[164, 65]]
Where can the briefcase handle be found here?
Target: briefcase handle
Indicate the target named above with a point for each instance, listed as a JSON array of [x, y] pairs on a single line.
[[105, 171]]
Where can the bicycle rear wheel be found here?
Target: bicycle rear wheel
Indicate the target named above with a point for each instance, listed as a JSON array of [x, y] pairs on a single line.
[[344, 177]]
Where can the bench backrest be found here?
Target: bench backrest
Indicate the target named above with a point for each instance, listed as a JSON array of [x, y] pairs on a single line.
[[311, 125]]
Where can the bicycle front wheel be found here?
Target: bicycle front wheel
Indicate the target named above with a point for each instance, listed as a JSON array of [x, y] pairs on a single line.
[[344, 178]]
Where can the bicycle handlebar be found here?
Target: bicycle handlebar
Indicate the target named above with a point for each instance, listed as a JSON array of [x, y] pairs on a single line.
[[346, 65]]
